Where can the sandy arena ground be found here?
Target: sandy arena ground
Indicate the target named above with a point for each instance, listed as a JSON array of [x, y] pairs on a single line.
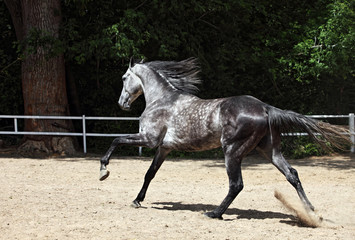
[[62, 198]]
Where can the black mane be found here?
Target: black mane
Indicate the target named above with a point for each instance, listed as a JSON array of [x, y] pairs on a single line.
[[181, 75]]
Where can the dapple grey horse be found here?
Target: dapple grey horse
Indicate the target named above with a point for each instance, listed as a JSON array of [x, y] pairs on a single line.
[[176, 119]]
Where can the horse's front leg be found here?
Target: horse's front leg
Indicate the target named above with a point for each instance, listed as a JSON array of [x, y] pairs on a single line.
[[158, 160], [132, 139]]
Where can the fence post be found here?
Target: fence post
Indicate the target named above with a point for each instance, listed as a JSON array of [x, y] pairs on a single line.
[[84, 134], [15, 125], [140, 148], [352, 131]]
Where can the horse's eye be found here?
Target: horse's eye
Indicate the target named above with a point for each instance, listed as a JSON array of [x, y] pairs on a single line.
[[124, 78]]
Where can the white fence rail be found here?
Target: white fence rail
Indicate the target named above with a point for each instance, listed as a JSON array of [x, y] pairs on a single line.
[[84, 134]]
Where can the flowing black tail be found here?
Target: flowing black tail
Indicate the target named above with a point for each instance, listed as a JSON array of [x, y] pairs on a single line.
[[287, 121]]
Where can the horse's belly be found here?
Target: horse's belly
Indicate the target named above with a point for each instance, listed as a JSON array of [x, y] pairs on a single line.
[[192, 142]]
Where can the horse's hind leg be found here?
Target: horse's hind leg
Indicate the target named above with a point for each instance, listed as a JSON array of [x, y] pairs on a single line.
[[272, 151], [235, 187], [234, 153], [158, 160], [291, 175]]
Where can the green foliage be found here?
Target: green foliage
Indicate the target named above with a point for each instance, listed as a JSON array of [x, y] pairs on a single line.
[[297, 55], [301, 147], [102, 32], [325, 58]]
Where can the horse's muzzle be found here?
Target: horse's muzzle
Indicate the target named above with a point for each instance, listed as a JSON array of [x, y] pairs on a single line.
[[125, 101], [125, 106]]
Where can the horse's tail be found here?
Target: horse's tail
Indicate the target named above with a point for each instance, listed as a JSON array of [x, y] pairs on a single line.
[[286, 121]]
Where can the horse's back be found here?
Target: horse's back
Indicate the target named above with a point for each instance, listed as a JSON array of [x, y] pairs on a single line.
[[244, 103]]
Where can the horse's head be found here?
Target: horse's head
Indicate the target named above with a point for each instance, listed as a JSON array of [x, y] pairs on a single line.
[[132, 87]]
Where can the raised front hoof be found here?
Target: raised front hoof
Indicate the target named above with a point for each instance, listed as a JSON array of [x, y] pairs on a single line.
[[104, 173], [135, 204], [213, 215]]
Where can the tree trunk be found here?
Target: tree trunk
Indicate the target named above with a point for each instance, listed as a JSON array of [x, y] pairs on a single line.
[[43, 77]]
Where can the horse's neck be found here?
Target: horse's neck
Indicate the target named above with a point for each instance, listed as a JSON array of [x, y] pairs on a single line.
[[155, 94], [156, 89]]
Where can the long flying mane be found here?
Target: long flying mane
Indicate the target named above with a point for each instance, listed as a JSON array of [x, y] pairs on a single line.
[[181, 75]]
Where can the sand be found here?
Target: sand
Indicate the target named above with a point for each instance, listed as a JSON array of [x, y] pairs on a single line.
[[62, 198]]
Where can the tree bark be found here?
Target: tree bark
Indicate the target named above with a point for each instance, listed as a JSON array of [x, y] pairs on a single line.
[[43, 76]]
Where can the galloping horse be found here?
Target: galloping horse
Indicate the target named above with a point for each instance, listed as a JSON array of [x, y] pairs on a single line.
[[176, 119]]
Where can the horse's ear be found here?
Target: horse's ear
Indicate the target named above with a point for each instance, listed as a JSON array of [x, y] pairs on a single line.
[[131, 62]]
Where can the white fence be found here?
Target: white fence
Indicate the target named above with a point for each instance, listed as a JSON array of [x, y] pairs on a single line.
[[84, 134]]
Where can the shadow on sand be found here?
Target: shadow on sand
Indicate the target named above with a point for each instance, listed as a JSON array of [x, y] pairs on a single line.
[[240, 213]]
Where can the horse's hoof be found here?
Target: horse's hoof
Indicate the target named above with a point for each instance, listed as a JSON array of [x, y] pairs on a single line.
[[309, 208], [104, 173], [312, 208], [135, 204], [213, 215]]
